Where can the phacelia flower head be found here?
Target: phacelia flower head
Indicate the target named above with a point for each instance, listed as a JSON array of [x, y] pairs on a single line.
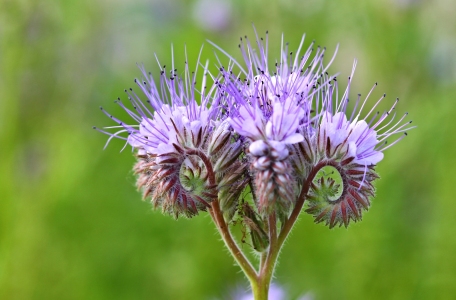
[[351, 143], [270, 107], [175, 118]]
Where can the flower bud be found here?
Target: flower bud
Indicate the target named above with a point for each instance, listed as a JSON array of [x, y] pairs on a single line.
[[256, 228], [259, 148]]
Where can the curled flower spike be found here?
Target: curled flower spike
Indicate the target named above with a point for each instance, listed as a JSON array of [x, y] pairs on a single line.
[[170, 124], [271, 108], [353, 146]]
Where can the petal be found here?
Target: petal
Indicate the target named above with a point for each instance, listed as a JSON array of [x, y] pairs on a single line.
[[294, 138], [372, 159], [135, 140], [164, 148]]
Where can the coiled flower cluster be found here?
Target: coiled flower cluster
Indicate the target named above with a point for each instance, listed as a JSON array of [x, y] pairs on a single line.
[[257, 128]]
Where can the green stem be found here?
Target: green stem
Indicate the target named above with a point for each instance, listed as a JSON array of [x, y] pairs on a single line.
[[260, 288], [230, 243], [222, 227]]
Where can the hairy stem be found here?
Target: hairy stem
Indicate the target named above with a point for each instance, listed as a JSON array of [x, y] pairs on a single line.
[[230, 243], [222, 227]]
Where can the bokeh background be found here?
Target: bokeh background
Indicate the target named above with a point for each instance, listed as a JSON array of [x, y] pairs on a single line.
[[72, 225]]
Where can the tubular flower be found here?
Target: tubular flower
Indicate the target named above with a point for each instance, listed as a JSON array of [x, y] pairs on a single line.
[[353, 146], [171, 129]]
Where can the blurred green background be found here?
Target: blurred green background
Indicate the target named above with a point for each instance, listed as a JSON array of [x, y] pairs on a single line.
[[72, 225]]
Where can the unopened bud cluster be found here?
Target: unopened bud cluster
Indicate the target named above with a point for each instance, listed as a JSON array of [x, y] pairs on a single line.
[[273, 178]]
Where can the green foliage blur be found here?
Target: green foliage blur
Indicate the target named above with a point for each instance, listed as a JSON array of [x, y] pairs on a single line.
[[73, 226]]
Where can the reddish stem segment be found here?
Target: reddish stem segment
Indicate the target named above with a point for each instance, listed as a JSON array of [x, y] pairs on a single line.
[[300, 202]]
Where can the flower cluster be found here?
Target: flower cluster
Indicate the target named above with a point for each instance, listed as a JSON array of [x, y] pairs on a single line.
[[262, 128]]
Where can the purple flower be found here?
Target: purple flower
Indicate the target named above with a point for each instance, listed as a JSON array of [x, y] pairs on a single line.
[[271, 108], [275, 131], [362, 139], [172, 115], [176, 118], [352, 146], [170, 125], [271, 104], [357, 136]]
